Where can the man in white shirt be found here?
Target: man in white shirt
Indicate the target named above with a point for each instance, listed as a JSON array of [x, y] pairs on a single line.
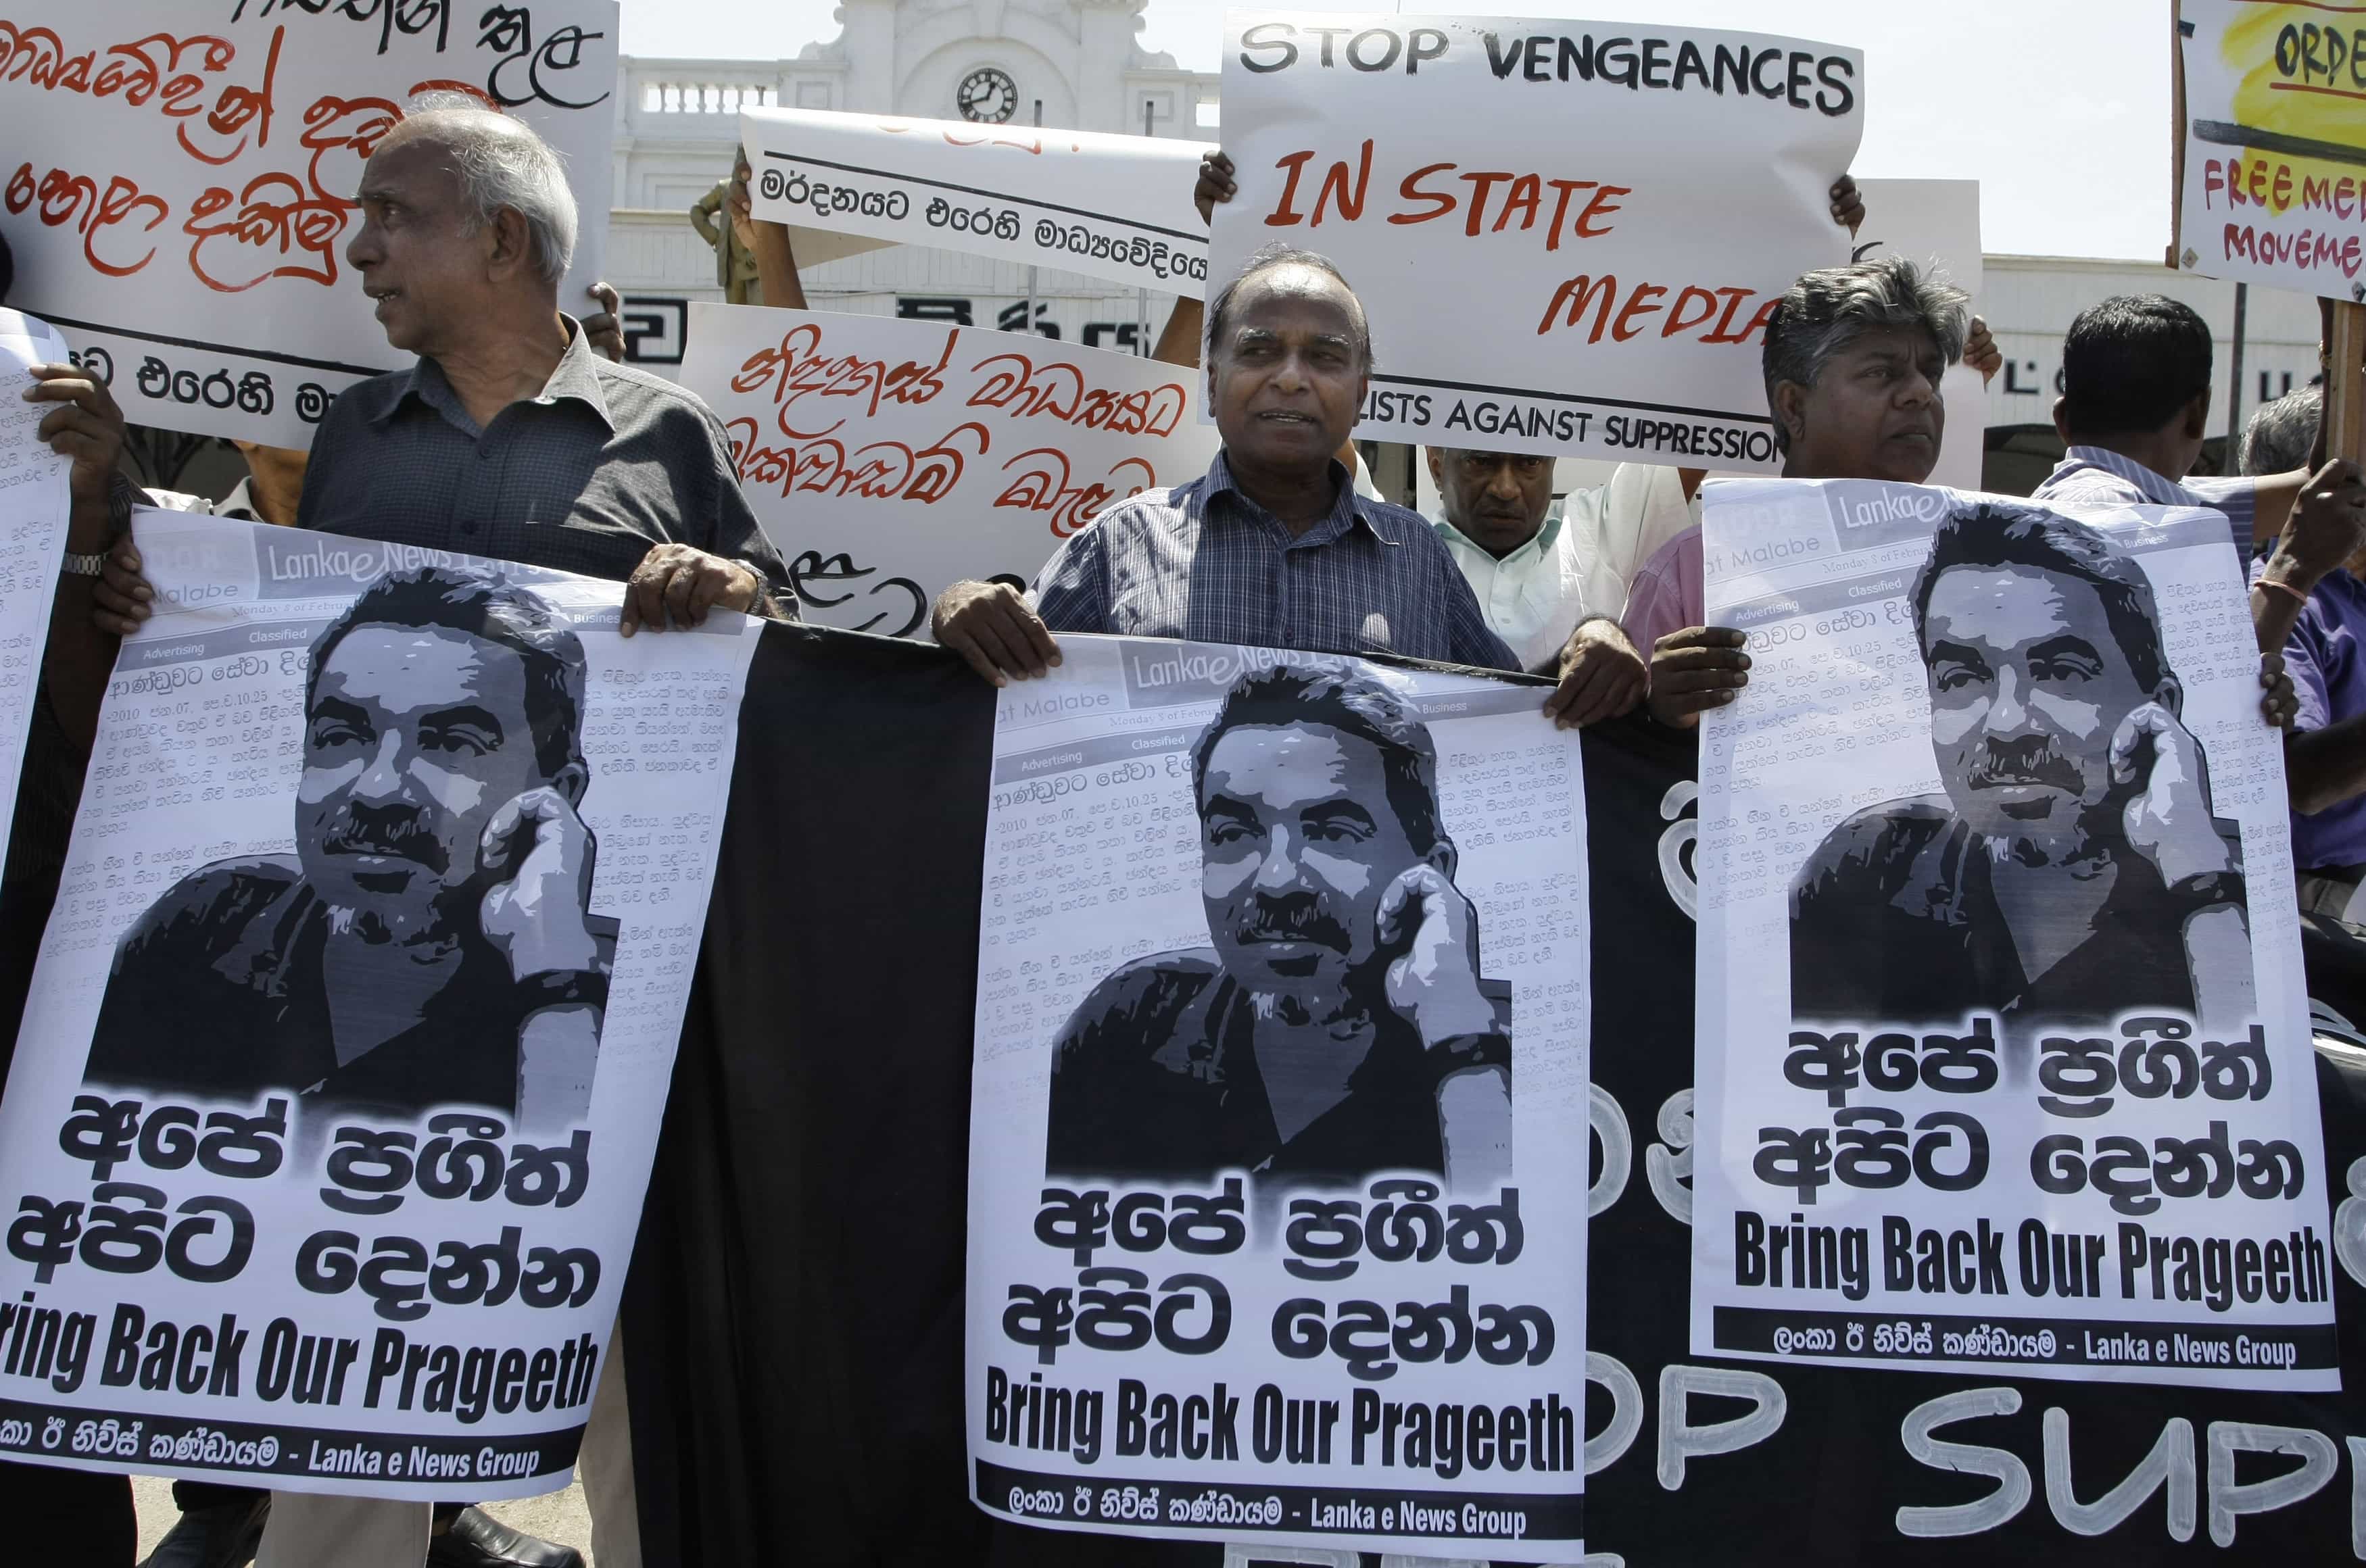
[[1542, 568]]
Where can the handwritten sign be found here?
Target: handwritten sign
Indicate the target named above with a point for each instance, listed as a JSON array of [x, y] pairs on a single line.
[[1110, 206], [179, 181], [2274, 180], [1620, 205], [889, 459]]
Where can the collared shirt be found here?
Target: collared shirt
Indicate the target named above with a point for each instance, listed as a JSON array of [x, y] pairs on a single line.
[[2096, 476], [1893, 921], [1579, 564], [607, 462], [1155, 1077], [2326, 657], [1203, 562], [1669, 593], [233, 950]]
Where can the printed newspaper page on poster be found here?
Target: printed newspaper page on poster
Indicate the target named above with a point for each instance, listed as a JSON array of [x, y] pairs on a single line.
[[181, 181], [2004, 1059], [337, 1090], [1278, 1135], [36, 508], [1621, 205], [1109, 206], [2274, 177], [888, 460]]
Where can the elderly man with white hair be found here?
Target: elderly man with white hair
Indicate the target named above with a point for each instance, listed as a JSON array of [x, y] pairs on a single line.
[[511, 439]]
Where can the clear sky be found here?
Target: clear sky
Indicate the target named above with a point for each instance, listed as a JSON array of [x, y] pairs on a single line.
[[2058, 107]]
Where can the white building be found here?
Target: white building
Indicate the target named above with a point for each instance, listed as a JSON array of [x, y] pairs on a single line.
[[1076, 61], [998, 59]]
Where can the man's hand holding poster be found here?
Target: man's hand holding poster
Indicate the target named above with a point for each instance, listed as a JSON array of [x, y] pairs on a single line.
[[2000, 817], [338, 1082], [1109, 206], [890, 459], [1621, 203], [181, 181], [1276, 1214]]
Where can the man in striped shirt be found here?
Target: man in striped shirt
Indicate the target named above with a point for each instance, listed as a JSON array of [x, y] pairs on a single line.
[[2134, 412], [1272, 547]]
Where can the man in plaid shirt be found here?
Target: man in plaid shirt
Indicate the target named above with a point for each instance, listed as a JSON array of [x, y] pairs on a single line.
[[1272, 547]]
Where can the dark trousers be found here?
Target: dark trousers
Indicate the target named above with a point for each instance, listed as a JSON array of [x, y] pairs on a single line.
[[67, 1516]]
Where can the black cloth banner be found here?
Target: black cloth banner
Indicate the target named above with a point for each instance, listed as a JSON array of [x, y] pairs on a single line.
[[795, 1311]]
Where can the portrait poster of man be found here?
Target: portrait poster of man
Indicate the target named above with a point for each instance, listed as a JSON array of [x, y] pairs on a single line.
[[1273, 942], [360, 998], [2000, 819]]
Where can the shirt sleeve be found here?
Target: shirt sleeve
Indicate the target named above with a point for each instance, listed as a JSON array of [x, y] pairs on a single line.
[[1072, 592], [1635, 516], [2239, 498], [2309, 659], [734, 533], [1657, 604], [327, 441]]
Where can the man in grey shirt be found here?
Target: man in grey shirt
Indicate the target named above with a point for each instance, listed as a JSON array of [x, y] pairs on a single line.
[[510, 438]]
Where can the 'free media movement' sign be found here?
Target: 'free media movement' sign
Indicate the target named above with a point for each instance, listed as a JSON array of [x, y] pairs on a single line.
[[1568, 235]]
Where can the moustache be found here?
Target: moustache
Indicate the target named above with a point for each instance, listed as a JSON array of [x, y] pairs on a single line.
[[398, 833], [1295, 919], [2037, 762]]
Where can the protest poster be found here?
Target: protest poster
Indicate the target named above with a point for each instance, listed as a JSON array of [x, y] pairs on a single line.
[[1107, 206], [2272, 144], [36, 507], [1275, 1234], [743, 1370], [181, 177], [337, 1086], [889, 459], [1624, 203], [1936, 224], [2004, 1058]]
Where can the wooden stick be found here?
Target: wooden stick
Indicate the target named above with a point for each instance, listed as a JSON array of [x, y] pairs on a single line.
[[2345, 384], [2176, 134]]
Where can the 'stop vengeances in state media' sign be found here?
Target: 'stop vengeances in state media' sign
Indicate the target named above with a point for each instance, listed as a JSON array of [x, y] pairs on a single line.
[[179, 182], [1617, 207]]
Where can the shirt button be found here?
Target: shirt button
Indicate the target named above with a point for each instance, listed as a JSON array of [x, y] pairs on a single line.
[[484, 453], [467, 528]]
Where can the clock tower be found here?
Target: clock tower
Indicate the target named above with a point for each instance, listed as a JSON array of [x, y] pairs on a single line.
[[992, 62]]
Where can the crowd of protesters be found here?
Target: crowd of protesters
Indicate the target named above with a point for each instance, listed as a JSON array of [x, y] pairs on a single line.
[[466, 226]]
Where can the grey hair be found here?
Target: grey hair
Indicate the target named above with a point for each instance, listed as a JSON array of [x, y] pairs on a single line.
[[502, 163], [1281, 254], [1827, 311], [2280, 434]]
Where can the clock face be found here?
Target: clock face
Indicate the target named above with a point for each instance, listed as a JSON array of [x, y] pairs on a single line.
[[987, 95]]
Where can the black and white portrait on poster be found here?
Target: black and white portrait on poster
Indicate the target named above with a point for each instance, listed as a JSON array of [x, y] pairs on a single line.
[[1276, 1221], [1336, 1023], [431, 941], [2069, 870], [340, 1077], [2000, 817]]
